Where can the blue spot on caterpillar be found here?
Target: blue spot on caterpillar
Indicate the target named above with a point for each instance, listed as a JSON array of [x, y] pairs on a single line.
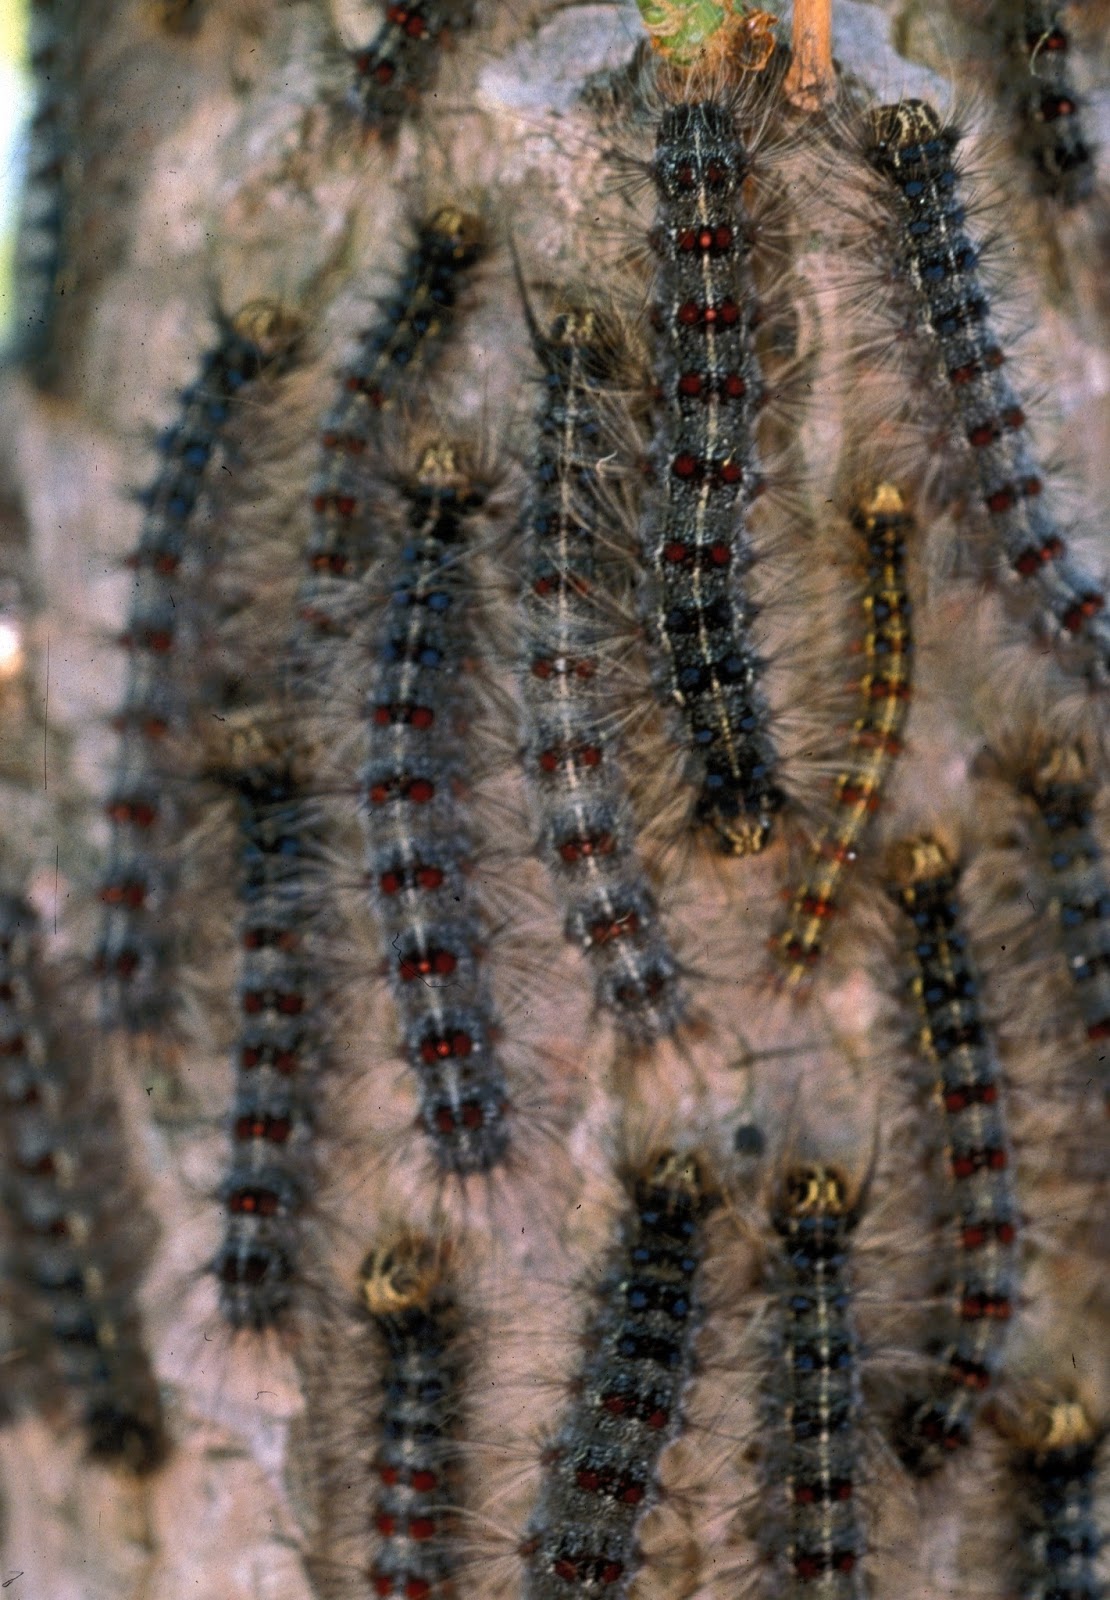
[[134, 959], [914, 152], [414, 321], [417, 839], [401, 63], [601, 1477], [587, 826], [707, 468], [813, 1402], [74, 1218], [954, 1039]]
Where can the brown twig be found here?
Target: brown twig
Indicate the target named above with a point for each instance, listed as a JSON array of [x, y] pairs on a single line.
[[810, 81]]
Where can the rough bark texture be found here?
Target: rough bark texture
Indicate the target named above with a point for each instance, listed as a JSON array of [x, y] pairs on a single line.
[[222, 171]]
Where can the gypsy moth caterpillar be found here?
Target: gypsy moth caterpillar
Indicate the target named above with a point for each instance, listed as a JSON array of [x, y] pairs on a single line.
[[1063, 794], [695, 537], [418, 317], [1054, 1465], [40, 241], [134, 958], [913, 152], [954, 1038], [75, 1219], [401, 62], [407, 1295], [279, 1051], [1049, 115], [573, 763], [813, 1403], [883, 524], [417, 838], [601, 1474], [1045, 878]]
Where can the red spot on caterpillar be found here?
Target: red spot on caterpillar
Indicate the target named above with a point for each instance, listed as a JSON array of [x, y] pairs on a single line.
[[435, 963], [1076, 616], [979, 1094], [254, 1202], [976, 1307], [386, 716], [586, 846], [427, 878], [444, 1047], [274, 1129], [132, 813], [1030, 561], [970, 1374]]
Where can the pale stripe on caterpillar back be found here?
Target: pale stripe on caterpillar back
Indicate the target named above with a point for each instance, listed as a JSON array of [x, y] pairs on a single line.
[[954, 1040], [573, 760], [918, 182]]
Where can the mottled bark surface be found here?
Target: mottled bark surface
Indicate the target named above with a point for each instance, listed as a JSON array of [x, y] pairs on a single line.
[[224, 172]]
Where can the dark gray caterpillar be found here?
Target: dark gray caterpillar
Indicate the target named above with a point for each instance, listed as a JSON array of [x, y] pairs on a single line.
[[573, 765], [407, 1294], [1054, 1468], [914, 152], [418, 843], [954, 1039], [401, 63], [413, 322], [1063, 795], [695, 534], [163, 638], [76, 1226], [1049, 116], [813, 1395], [602, 1464], [280, 1048], [40, 242]]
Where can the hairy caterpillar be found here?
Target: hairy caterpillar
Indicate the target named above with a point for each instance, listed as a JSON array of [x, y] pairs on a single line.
[[401, 62], [814, 1405], [417, 840], [954, 1039], [408, 1297], [601, 1473], [1063, 794], [695, 536], [40, 243], [913, 151], [1049, 116], [1054, 1466], [75, 1221], [884, 688], [414, 321], [134, 956], [279, 1050], [573, 765]]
